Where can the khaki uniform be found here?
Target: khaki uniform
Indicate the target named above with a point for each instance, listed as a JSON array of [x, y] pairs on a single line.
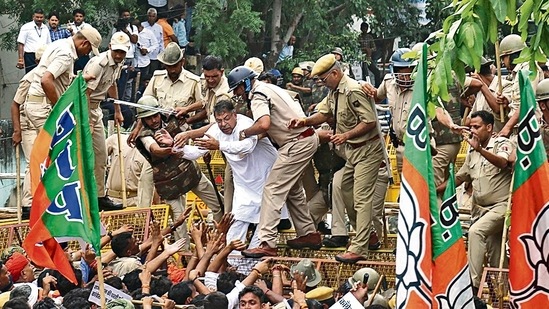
[[490, 194], [544, 128], [19, 98], [482, 105], [363, 154], [448, 143], [296, 150], [399, 105], [58, 59], [183, 92], [513, 96], [106, 72], [137, 172]]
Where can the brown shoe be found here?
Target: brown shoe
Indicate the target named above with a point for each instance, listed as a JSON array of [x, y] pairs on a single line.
[[374, 243], [349, 257], [259, 252], [311, 241]]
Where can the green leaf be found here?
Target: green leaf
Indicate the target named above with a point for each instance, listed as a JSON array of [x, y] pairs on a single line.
[[511, 11], [465, 56], [500, 9], [525, 11], [454, 28]]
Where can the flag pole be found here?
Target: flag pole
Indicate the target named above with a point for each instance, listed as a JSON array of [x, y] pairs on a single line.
[[122, 168], [101, 280], [503, 241], [500, 85], [18, 181]]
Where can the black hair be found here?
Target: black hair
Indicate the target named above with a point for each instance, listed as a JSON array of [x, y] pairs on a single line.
[[181, 291], [123, 10], [76, 293], [52, 14], [513, 56], [485, 69], [160, 286], [212, 62], [78, 11], [267, 75], [313, 304], [227, 280], [120, 243], [254, 290], [22, 291], [132, 281], [376, 306], [64, 286], [223, 106], [115, 282], [38, 11], [344, 288], [43, 274], [487, 117], [479, 303], [17, 303], [77, 303], [216, 300], [198, 301], [45, 303]]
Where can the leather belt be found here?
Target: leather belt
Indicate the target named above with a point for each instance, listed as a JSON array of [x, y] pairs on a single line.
[[120, 194], [358, 145], [35, 99], [306, 133]]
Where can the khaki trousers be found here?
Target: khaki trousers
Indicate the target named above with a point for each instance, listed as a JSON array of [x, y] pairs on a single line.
[[206, 192], [360, 173], [485, 234], [318, 207], [145, 189], [33, 117], [446, 154], [284, 185], [228, 189], [99, 148]]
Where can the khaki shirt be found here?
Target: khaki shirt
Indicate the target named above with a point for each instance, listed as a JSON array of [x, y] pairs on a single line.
[[482, 105], [106, 72], [544, 129], [183, 92], [214, 95], [513, 96], [490, 183], [273, 101], [399, 104], [353, 107], [58, 59], [23, 88], [133, 164]]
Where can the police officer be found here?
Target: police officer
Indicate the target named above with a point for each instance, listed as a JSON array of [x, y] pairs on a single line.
[[272, 109], [542, 97], [488, 168], [137, 171], [510, 48], [298, 85], [358, 141], [106, 69], [50, 79], [173, 175]]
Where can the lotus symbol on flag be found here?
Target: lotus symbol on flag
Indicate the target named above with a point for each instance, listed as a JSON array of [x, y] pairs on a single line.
[[411, 238], [459, 293], [536, 247]]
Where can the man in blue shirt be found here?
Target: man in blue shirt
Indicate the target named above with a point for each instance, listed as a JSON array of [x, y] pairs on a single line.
[[56, 32]]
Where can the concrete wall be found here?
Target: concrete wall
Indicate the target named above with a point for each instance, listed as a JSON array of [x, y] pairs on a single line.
[[9, 74]]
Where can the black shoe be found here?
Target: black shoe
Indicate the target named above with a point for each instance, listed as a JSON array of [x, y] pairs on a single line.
[[285, 224], [25, 213], [375, 246], [323, 228], [106, 204], [335, 241]]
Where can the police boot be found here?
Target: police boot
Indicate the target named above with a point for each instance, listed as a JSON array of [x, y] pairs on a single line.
[[106, 204]]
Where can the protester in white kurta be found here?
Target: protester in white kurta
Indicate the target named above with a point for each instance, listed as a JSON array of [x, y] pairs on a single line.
[[251, 161]]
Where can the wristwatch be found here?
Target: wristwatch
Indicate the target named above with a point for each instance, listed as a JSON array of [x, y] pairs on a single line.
[[242, 135]]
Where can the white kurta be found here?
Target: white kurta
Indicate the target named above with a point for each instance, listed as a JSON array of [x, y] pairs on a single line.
[[251, 162]]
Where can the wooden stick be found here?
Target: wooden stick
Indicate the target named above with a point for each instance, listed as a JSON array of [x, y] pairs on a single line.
[[504, 240], [122, 168], [465, 115], [500, 85], [18, 182], [101, 280], [376, 290]]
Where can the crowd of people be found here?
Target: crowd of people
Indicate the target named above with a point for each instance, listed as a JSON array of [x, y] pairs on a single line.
[[275, 139]]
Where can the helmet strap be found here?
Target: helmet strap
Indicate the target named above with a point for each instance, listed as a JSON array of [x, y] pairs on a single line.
[[248, 85]]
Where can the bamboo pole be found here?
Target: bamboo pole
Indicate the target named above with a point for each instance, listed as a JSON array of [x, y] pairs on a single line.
[[376, 290], [500, 85], [18, 182], [122, 168], [503, 241], [101, 280]]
